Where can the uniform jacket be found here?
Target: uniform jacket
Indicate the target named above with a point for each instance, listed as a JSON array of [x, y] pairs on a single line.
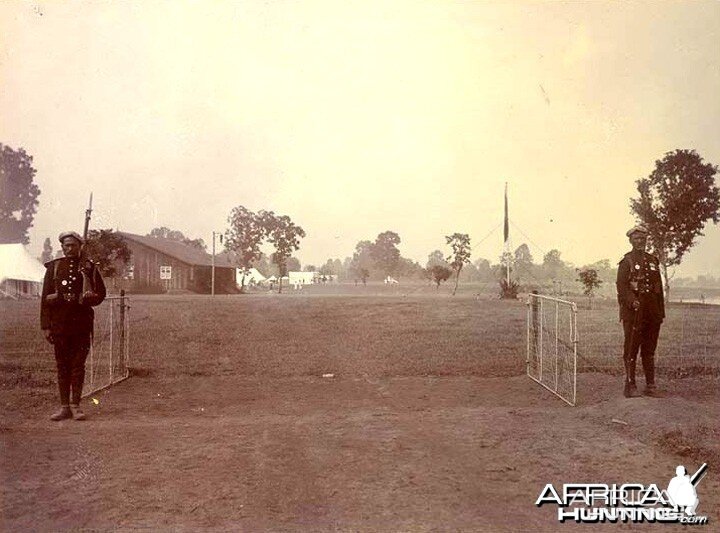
[[60, 308], [638, 278]]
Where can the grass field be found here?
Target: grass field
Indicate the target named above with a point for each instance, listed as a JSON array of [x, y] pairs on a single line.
[[228, 414]]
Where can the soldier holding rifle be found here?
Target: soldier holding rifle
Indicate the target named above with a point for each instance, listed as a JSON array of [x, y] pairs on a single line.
[[71, 288], [642, 310]]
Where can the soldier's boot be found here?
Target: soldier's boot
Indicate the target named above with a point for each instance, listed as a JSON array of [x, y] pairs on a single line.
[[62, 414], [631, 390], [651, 389], [79, 414]]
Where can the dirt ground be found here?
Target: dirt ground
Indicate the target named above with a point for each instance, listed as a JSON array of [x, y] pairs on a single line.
[[346, 454]]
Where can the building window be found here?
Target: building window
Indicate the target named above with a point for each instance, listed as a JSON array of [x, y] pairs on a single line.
[[130, 272], [165, 272]]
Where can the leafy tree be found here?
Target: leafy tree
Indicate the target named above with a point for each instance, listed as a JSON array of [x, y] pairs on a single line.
[[553, 265], [605, 270], [485, 271], [675, 202], [47, 254], [590, 280], [293, 264], [523, 260], [18, 195], [470, 273], [385, 253], [243, 238], [174, 235], [460, 244], [435, 257], [108, 250], [409, 269], [285, 236], [328, 269], [338, 268], [362, 261], [439, 273], [310, 268]]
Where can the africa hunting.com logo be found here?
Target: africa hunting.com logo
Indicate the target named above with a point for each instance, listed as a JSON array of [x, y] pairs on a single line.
[[631, 502]]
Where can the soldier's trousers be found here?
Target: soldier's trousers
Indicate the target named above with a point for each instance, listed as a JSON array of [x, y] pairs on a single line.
[[71, 351], [641, 335]]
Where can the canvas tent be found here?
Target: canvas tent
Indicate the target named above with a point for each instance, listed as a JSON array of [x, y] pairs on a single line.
[[252, 276], [21, 275]]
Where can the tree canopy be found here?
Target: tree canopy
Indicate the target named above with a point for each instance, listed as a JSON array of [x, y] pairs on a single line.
[[18, 195], [285, 236], [385, 253], [174, 235], [460, 244], [675, 202], [244, 237], [109, 250]]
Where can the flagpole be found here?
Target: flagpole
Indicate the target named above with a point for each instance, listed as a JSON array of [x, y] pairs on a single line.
[[506, 235]]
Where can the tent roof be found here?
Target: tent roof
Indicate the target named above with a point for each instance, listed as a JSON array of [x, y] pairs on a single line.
[[17, 263]]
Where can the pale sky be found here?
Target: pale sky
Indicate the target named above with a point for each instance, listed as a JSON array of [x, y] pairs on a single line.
[[358, 117]]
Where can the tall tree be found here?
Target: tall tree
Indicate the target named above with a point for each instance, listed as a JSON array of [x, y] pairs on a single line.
[[385, 253], [243, 238], [460, 244], [439, 273], [327, 269], [174, 235], [362, 261], [675, 202], [109, 250], [47, 253], [284, 235], [590, 280], [18, 195], [523, 260], [338, 269], [553, 265], [293, 264], [485, 270], [436, 258]]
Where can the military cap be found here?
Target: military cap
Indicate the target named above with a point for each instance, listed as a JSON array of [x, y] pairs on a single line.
[[637, 229], [72, 234]]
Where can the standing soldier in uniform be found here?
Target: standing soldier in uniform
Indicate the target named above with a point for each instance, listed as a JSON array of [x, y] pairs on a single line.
[[66, 318], [642, 309]]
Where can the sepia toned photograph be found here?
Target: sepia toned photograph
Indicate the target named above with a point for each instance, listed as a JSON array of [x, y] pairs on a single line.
[[343, 266]]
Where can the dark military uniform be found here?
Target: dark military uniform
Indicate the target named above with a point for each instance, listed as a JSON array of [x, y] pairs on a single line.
[[638, 279], [70, 319]]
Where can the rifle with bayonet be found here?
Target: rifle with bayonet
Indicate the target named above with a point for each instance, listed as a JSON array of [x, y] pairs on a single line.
[[86, 270]]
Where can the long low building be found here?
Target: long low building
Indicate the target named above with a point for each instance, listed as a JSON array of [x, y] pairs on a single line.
[[21, 275], [162, 265]]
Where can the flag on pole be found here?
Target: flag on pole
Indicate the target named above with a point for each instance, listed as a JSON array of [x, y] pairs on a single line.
[[506, 227]]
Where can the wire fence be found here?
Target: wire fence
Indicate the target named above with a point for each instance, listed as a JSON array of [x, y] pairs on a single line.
[[26, 355], [689, 342]]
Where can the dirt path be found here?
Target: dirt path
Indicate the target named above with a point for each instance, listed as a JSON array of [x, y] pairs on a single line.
[[314, 454]]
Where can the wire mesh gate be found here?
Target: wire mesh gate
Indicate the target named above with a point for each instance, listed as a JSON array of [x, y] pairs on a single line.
[[108, 360], [552, 341]]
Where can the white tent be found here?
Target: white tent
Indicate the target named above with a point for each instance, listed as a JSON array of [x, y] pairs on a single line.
[[21, 275], [252, 276]]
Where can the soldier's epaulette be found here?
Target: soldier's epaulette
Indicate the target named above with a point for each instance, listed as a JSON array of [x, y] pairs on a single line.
[[47, 265], [624, 257]]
